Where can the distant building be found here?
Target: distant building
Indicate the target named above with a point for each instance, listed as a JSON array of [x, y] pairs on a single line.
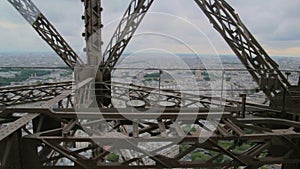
[[198, 73]]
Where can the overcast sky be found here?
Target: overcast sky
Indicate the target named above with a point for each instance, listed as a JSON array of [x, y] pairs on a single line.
[[172, 25]]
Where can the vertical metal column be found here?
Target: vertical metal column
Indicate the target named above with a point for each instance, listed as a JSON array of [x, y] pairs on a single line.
[[92, 34]]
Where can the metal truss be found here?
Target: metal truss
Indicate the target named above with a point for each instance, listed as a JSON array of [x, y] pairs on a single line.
[[250, 142], [125, 92], [47, 31], [15, 154], [93, 25], [227, 22], [32, 93], [87, 138], [119, 41], [203, 131], [123, 34]]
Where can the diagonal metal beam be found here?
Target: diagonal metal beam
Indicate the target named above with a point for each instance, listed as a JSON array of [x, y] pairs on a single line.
[[227, 22], [65, 154], [8, 130], [123, 34], [47, 31]]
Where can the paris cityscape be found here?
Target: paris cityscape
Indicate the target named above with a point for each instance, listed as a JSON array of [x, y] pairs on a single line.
[[149, 84], [47, 68], [33, 68]]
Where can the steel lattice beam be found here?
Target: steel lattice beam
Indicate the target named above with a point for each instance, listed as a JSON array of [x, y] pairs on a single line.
[[47, 31], [32, 93], [123, 34], [227, 22], [93, 25]]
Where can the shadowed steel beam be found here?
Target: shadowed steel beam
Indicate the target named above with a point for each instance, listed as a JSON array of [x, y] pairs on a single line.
[[8, 130], [227, 22], [47, 31], [123, 34]]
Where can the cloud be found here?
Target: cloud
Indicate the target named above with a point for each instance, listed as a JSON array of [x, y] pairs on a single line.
[[270, 19], [9, 25], [293, 51], [274, 23]]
